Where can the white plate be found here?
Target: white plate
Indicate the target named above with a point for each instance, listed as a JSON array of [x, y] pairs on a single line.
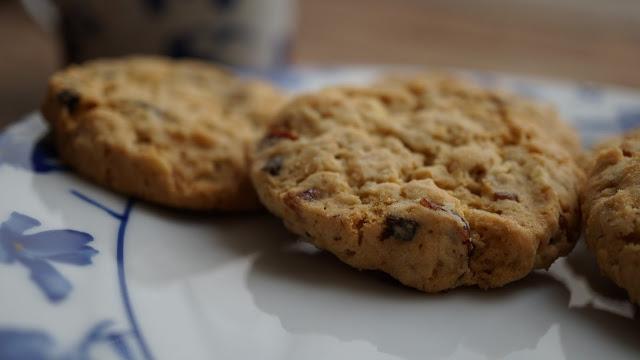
[[126, 280]]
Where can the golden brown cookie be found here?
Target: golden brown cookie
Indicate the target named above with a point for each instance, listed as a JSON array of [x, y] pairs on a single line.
[[174, 132], [436, 182], [611, 210]]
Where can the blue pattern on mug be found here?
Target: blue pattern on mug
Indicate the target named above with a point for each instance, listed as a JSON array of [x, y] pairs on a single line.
[[36, 344], [209, 44], [155, 5], [224, 4], [79, 25], [158, 6], [37, 250]]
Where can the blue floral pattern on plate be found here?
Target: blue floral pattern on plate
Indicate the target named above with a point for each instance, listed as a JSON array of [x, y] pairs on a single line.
[[18, 344], [37, 250], [629, 119], [44, 157]]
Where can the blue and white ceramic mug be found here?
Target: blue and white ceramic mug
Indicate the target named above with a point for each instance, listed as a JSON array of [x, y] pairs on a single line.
[[246, 33]]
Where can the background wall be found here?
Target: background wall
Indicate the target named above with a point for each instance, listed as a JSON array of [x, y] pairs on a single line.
[[591, 40], [581, 39]]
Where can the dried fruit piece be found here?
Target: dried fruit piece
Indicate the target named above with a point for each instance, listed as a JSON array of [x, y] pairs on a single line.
[[632, 238], [274, 165], [309, 194], [282, 134], [277, 134], [69, 98], [399, 228], [430, 204], [505, 195]]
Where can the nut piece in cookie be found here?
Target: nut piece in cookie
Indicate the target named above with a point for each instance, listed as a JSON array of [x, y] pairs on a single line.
[[438, 183], [174, 132]]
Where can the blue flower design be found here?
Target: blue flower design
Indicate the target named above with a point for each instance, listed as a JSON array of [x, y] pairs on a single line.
[[25, 344], [629, 119], [36, 250], [39, 345], [44, 157]]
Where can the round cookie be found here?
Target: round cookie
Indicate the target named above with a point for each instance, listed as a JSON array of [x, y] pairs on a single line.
[[611, 210], [174, 132], [436, 182]]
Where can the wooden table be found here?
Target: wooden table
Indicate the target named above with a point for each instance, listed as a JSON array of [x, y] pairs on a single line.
[[590, 40]]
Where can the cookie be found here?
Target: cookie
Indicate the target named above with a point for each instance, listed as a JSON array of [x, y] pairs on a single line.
[[438, 183], [173, 132], [611, 210]]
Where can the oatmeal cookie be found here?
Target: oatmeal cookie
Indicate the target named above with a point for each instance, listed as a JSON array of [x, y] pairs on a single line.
[[611, 210], [174, 132], [432, 180]]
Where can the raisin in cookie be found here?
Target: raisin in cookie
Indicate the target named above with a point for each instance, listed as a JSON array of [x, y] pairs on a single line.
[[611, 210], [436, 182], [172, 132]]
